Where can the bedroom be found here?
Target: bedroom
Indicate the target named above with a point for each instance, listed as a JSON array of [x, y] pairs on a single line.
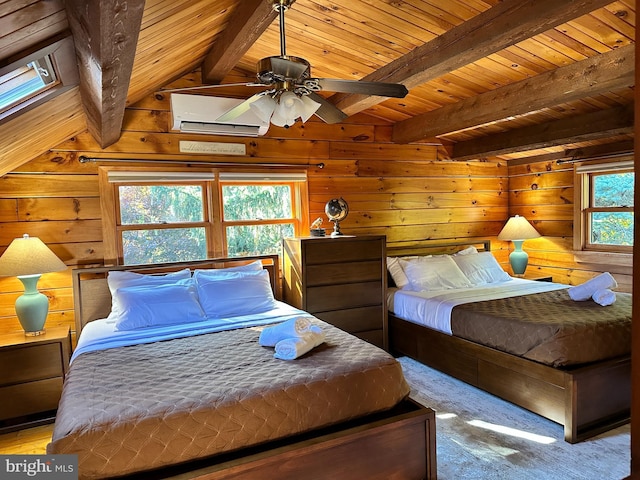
[[405, 191]]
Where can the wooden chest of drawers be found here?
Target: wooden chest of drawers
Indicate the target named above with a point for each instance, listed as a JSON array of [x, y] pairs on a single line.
[[32, 370], [340, 280]]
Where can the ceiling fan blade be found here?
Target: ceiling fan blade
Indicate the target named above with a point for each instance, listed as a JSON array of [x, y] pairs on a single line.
[[206, 87], [239, 109], [366, 88], [327, 112]]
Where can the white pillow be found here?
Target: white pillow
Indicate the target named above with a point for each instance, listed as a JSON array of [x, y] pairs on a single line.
[[481, 268], [250, 267], [235, 293], [117, 279], [434, 273], [156, 305], [396, 272], [466, 251]]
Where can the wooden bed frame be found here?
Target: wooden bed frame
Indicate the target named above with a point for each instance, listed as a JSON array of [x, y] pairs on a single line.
[[399, 443], [586, 400]]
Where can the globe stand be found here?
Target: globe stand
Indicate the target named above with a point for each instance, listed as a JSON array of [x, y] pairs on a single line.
[[336, 229]]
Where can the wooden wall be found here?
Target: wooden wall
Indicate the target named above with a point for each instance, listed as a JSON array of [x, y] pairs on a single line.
[[406, 192], [544, 194]]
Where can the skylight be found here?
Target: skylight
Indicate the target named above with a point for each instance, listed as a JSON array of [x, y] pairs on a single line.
[[36, 77], [25, 82]]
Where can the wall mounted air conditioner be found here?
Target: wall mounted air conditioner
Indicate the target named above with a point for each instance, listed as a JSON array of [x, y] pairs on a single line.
[[198, 114]]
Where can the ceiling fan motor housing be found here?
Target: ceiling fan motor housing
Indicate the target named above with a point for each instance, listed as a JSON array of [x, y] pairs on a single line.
[[272, 70]]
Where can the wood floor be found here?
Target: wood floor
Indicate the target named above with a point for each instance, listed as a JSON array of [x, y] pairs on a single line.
[[28, 441]]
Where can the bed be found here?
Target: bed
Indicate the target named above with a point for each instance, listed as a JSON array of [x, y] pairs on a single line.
[[147, 396], [584, 386]]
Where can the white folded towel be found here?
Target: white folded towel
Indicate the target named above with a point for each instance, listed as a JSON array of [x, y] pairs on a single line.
[[585, 290], [292, 328], [292, 348], [604, 297]]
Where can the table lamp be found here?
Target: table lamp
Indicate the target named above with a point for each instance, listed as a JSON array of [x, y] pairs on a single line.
[[27, 258], [518, 229]]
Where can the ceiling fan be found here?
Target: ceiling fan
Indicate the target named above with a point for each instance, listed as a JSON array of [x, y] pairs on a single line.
[[291, 92]]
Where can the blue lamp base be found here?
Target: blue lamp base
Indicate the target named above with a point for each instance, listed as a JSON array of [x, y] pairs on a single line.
[[518, 258], [32, 306]]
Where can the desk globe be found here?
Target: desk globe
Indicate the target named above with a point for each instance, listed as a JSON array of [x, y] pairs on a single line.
[[336, 210]]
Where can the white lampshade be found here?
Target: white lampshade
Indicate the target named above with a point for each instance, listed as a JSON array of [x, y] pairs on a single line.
[[518, 228], [284, 111], [309, 107], [263, 107], [28, 256], [288, 109]]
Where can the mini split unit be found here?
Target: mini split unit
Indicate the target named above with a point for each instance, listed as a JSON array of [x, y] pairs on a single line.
[[199, 114]]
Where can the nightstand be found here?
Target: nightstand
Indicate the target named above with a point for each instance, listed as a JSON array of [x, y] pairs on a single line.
[[32, 370]]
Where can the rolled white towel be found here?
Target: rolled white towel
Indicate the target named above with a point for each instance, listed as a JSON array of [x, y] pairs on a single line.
[[585, 290], [292, 348], [604, 297], [292, 328]]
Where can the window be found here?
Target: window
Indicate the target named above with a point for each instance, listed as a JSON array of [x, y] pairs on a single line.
[[257, 214], [37, 77], [162, 223], [184, 216], [606, 218], [26, 82]]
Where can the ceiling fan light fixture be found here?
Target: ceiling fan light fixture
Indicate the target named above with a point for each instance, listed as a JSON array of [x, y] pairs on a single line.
[[264, 107], [288, 109], [292, 93], [309, 107]]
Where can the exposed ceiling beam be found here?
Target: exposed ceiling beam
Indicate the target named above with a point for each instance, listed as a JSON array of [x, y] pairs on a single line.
[[609, 71], [250, 19], [495, 29], [604, 150], [600, 150], [578, 128], [545, 157], [106, 35]]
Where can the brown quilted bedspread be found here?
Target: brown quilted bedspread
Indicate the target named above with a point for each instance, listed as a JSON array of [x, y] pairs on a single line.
[[135, 408], [548, 327]]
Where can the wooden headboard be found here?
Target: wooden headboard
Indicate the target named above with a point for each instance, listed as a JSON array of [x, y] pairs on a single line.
[[92, 298], [436, 248]]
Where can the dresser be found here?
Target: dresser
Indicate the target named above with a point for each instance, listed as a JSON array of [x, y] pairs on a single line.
[[340, 280], [32, 370]]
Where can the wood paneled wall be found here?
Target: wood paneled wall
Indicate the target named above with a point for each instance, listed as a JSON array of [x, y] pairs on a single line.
[[544, 194], [406, 192]]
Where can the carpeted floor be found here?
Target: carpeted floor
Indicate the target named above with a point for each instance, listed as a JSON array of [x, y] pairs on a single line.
[[469, 447]]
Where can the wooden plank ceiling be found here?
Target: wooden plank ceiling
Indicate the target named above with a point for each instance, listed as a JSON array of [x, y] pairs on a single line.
[[486, 78]]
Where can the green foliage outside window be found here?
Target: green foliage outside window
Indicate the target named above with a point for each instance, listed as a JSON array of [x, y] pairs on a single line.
[[257, 239], [145, 204], [164, 245], [256, 202], [612, 191], [163, 213], [162, 205]]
